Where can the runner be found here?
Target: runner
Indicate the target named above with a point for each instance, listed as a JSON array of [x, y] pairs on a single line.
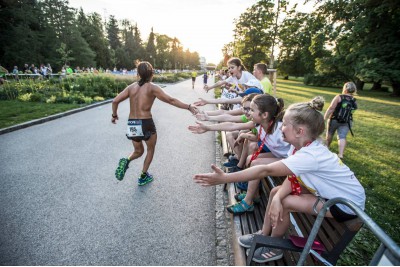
[[140, 124], [194, 75]]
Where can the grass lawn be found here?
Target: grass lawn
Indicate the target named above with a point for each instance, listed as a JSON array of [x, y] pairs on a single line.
[[13, 112], [373, 155]]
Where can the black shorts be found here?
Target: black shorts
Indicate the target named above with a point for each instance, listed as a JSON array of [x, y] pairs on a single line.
[[340, 215], [193, 79], [148, 128]]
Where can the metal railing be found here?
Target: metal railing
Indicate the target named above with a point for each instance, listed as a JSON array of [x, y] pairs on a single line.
[[387, 254]]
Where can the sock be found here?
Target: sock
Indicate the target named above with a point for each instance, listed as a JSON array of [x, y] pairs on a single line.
[[144, 174]]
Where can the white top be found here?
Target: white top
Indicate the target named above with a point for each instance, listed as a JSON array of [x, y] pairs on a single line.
[[325, 175], [275, 143], [246, 76]]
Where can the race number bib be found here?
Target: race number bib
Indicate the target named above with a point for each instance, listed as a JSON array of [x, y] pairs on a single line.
[[134, 128]]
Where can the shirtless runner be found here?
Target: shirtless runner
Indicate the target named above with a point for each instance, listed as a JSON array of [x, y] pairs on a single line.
[[140, 124]]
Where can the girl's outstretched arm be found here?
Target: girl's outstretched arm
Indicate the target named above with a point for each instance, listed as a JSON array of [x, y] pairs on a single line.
[[256, 172]]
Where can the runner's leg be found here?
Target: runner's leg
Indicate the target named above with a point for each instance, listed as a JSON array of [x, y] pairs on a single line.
[[151, 145]]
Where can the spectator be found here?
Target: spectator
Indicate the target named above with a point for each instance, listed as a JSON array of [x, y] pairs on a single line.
[[239, 76], [348, 92], [26, 69], [260, 72], [311, 164], [15, 73]]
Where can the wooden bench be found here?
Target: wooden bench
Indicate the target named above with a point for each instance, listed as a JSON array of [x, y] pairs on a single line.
[[333, 235]]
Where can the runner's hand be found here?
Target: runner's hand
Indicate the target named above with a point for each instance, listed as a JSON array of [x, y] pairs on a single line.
[[206, 88], [114, 120], [194, 109], [208, 179]]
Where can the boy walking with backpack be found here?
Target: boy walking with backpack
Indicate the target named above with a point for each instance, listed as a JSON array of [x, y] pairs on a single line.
[[340, 116]]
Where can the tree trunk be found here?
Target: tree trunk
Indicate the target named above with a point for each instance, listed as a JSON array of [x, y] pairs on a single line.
[[396, 88], [360, 85], [377, 86]]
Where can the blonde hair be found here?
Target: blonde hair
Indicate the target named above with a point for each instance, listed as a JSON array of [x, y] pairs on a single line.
[[308, 114], [350, 88]]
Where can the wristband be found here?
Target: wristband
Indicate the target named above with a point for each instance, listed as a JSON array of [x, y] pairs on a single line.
[[189, 106], [114, 116]]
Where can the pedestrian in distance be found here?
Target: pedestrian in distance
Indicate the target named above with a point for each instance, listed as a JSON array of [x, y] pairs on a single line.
[[194, 75], [141, 127], [205, 77], [340, 116], [314, 175]]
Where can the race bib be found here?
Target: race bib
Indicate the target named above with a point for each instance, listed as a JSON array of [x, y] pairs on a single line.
[[134, 128]]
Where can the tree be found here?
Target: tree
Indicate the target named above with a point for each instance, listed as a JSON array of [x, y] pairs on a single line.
[[163, 50], [254, 34], [61, 19], [151, 49], [91, 28], [113, 33]]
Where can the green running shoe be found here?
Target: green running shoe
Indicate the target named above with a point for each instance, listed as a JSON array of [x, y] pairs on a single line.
[[121, 169], [145, 178]]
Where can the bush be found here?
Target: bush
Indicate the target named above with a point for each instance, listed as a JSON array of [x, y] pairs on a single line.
[[323, 80]]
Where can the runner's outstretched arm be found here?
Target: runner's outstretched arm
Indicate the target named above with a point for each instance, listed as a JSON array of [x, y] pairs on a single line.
[[161, 95]]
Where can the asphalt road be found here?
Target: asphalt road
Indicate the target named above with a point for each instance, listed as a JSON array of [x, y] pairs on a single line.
[[60, 203]]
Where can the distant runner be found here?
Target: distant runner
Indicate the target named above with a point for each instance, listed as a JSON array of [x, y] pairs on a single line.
[[140, 124], [194, 75]]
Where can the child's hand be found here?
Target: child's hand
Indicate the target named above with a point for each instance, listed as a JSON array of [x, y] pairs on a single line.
[[199, 128], [208, 179], [202, 116], [201, 102], [275, 212]]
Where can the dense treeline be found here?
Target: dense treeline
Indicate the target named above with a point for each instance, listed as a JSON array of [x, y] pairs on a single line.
[[49, 31], [349, 40]]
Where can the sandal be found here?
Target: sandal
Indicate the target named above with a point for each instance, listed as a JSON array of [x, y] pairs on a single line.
[[240, 208], [266, 254], [241, 196]]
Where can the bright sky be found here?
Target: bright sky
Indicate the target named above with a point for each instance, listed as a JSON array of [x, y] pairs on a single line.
[[204, 26]]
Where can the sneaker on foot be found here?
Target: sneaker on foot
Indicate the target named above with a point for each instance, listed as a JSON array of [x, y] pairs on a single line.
[[121, 169], [247, 240], [145, 178]]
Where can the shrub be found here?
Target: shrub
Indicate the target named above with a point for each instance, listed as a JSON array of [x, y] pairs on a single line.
[[323, 80], [25, 97]]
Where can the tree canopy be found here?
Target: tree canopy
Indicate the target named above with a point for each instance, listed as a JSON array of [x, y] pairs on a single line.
[[339, 41], [49, 31]]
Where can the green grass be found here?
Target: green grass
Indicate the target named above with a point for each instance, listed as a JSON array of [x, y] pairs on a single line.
[[13, 112], [372, 154]]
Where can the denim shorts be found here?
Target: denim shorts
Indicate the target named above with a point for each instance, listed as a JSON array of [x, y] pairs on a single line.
[[341, 127], [265, 148]]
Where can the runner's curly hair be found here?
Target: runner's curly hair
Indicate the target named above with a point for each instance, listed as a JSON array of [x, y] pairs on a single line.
[[145, 72]]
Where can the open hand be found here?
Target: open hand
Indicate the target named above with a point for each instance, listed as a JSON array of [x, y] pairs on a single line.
[[201, 102], [202, 116], [208, 179], [198, 129]]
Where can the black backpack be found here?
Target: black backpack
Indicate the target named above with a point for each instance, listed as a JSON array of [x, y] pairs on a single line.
[[344, 110], [343, 113]]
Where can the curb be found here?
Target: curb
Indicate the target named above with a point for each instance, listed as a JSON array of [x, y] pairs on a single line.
[[51, 117]]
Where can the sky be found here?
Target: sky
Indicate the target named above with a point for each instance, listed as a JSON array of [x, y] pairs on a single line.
[[204, 26]]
